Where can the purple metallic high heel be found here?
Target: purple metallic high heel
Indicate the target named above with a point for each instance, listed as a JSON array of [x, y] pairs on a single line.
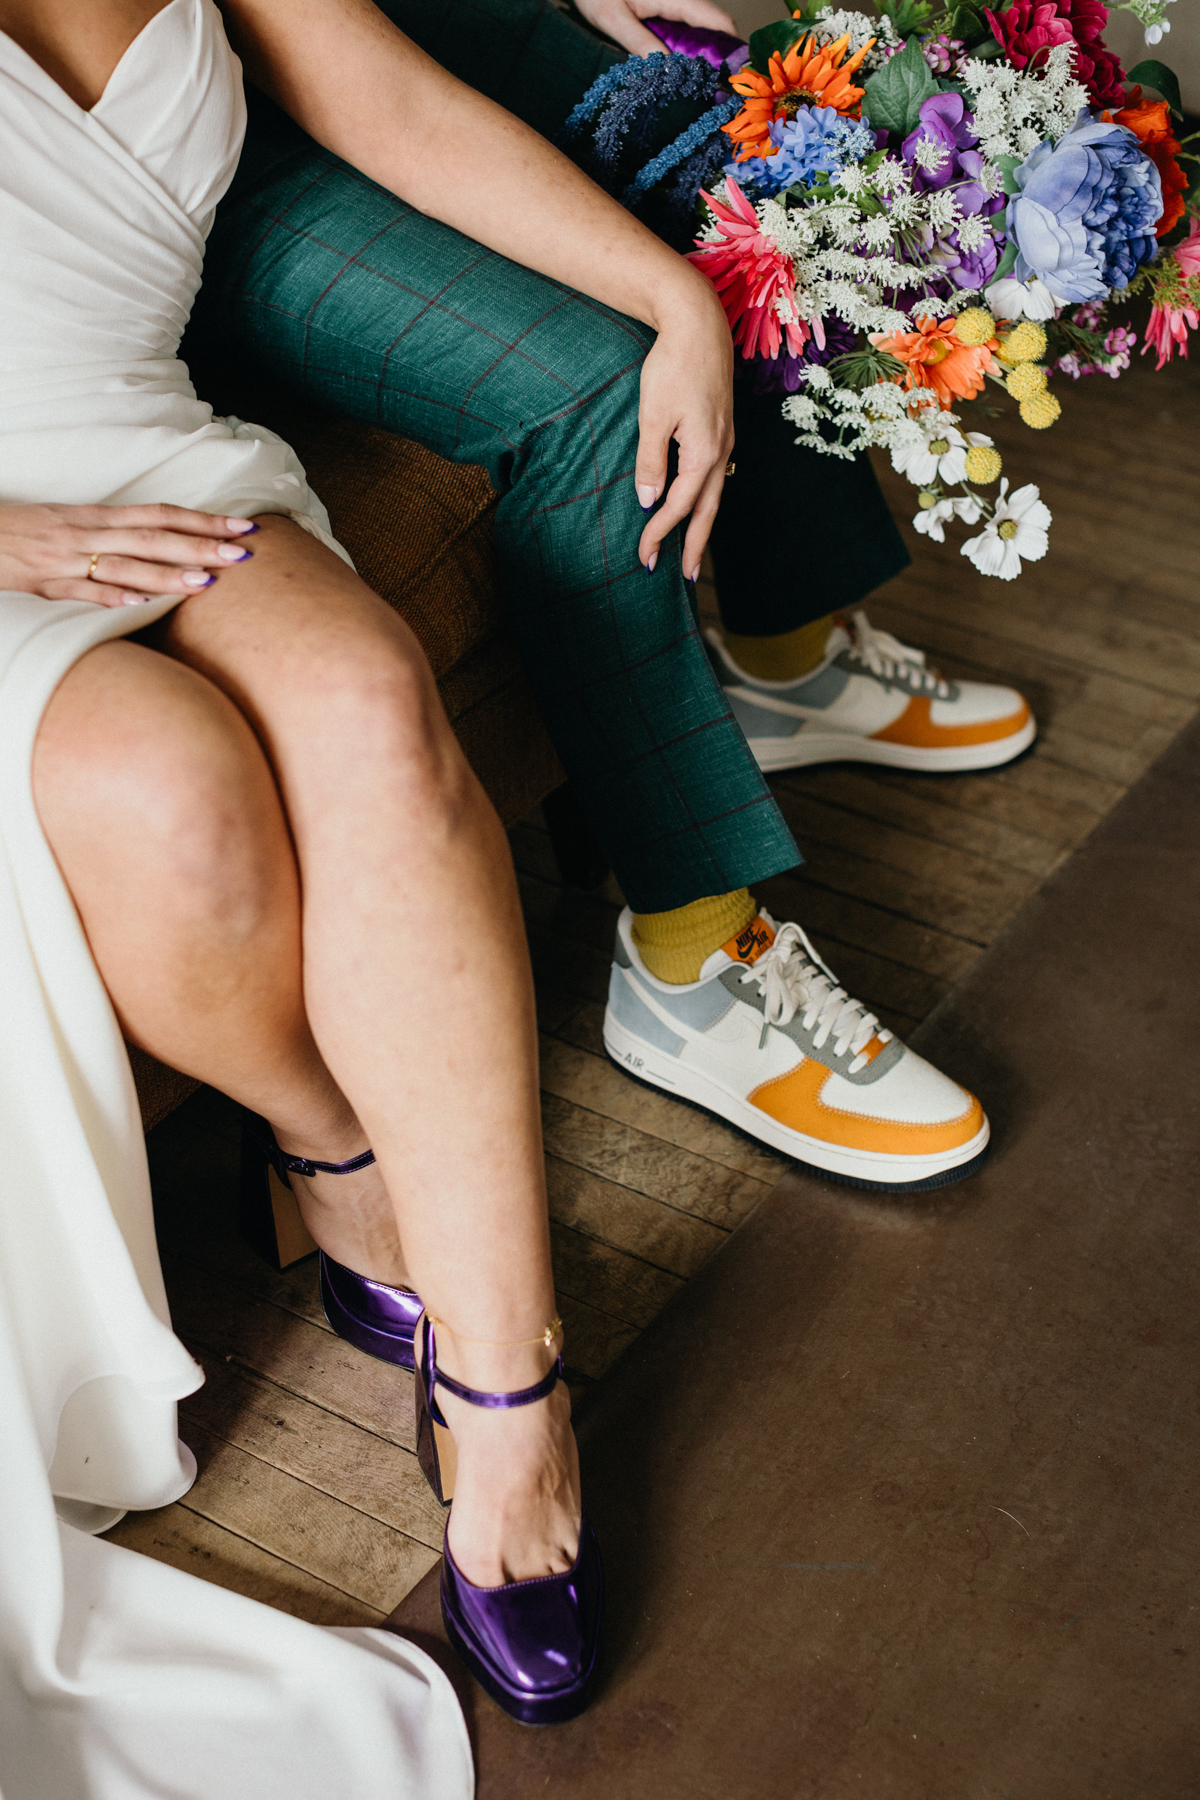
[[369, 1314], [531, 1645]]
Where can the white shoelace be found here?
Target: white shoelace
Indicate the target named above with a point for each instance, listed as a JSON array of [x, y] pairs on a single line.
[[791, 976], [887, 656]]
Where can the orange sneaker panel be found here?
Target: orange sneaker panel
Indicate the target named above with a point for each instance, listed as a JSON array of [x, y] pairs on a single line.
[[795, 1100], [750, 943], [915, 726]]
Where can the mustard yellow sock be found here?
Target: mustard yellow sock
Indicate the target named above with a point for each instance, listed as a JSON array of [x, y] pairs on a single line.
[[675, 945], [784, 657]]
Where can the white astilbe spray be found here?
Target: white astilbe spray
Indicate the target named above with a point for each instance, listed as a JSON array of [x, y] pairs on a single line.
[[860, 29], [1017, 109]]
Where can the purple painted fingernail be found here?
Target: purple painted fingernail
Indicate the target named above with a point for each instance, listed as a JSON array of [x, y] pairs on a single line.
[[651, 563], [242, 526], [197, 578], [232, 553], [646, 494]]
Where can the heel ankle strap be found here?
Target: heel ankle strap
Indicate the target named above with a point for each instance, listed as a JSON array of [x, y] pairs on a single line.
[[261, 1133], [305, 1165], [434, 1378]]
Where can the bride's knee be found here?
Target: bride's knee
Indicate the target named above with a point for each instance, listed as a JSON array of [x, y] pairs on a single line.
[[384, 726], [149, 781]]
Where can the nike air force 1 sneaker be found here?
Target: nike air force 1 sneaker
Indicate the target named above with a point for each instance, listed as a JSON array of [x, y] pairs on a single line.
[[768, 1041], [872, 699]]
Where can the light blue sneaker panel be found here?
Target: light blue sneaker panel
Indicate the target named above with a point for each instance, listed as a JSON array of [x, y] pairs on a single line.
[[698, 1007], [628, 1010]]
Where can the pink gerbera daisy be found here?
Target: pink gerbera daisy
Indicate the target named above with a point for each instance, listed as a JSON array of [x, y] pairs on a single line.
[[754, 278]]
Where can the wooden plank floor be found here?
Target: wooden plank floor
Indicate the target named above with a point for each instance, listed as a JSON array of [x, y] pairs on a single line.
[[309, 1496]]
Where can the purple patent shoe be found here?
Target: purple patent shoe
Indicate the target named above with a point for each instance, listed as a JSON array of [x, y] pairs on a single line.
[[532, 1645], [369, 1314]]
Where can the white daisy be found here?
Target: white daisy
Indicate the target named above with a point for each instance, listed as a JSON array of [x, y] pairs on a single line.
[[941, 455], [931, 521], [1017, 529], [1013, 299]]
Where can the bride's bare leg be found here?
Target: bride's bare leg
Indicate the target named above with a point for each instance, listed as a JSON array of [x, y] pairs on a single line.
[[164, 816], [418, 989]]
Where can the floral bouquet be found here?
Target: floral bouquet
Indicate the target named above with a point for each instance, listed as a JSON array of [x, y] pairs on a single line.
[[907, 214]]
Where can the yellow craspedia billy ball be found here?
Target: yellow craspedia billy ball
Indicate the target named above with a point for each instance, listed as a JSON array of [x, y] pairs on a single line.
[[1025, 381], [1041, 411], [983, 464], [975, 326], [1024, 343]]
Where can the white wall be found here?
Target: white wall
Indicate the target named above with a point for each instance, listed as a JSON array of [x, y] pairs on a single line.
[[1180, 49]]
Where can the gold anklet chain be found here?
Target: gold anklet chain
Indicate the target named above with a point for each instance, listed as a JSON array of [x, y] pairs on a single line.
[[546, 1337]]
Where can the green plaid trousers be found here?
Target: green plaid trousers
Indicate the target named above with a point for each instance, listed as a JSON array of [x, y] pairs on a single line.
[[343, 292]]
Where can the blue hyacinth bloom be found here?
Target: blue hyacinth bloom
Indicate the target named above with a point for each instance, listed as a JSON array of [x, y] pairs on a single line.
[[1085, 216], [818, 141]]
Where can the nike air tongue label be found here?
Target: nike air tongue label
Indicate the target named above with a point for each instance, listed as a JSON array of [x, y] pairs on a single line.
[[749, 944]]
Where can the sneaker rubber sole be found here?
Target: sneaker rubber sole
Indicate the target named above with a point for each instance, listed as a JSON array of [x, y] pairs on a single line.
[[870, 1169], [772, 754]]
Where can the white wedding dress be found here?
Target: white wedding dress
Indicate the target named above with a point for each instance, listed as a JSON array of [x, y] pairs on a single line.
[[122, 1678]]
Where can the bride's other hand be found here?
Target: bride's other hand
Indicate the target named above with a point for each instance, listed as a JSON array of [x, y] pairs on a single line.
[[115, 555], [621, 20]]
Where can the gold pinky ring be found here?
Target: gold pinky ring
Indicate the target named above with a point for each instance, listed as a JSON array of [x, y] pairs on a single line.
[[729, 468], [90, 576]]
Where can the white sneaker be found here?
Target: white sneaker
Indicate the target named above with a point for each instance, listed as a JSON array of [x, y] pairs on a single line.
[[768, 1041], [873, 700]]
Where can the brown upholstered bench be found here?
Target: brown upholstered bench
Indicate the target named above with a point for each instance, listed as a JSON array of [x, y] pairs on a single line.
[[420, 532]]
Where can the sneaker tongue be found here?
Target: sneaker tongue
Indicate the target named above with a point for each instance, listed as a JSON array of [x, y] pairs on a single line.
[[749, 944]]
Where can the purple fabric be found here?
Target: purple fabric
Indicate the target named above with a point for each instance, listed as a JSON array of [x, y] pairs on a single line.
[[716, 47]]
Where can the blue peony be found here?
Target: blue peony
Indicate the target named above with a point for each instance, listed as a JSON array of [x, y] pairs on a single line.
[[818, 141], [1085, 216]]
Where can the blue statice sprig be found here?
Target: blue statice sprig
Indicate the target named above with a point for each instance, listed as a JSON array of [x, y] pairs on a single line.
[[628, 111], [679, 151]]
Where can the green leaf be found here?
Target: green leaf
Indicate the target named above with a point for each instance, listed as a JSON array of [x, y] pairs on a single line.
[[908, 16], [1164, 81], [968, 25], [1007, 166], [780, 35], [895, 93], [1007, 263]]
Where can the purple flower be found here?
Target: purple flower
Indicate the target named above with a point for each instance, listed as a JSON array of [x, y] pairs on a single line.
[[781, 374], [1085, 216], [933, 150]]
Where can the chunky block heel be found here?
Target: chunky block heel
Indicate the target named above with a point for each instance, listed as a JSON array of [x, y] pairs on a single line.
[[366, 1313]]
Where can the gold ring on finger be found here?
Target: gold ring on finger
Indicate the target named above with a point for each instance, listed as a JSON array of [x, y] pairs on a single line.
[[729, 468], [91, 574]]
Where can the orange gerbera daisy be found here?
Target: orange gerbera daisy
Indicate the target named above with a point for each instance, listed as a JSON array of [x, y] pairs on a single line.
[[935, 357], [806, 76]]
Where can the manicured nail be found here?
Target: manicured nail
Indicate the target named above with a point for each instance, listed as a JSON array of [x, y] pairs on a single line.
[[646, 495], [651, 563], [131, 599], [240, 525], [231, 553], [197, 578]]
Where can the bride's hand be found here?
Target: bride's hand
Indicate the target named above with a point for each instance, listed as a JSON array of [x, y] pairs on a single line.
[[115, 555], [621, 20], [686, 394]]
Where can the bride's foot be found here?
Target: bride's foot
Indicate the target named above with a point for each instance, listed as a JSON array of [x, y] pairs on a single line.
[[516, 1511], [522, 1586]]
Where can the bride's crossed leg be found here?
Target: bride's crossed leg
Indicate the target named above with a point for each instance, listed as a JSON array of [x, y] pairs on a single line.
[[296, 890]]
